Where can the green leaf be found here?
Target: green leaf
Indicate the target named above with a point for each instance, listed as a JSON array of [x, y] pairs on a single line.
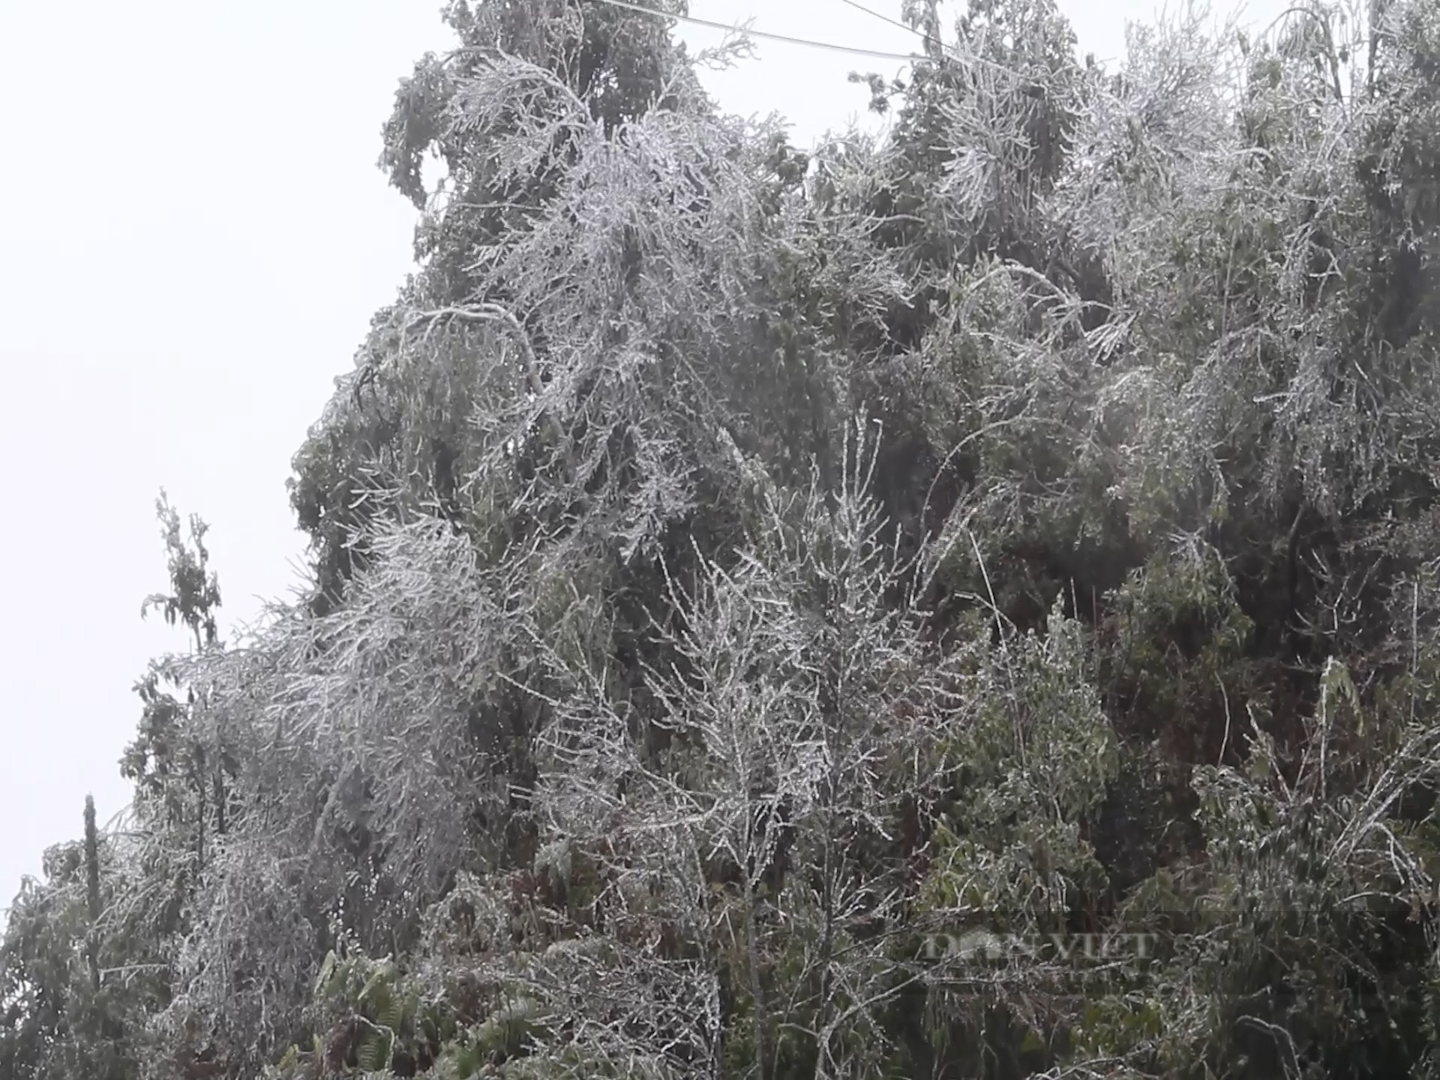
[[327, 969]]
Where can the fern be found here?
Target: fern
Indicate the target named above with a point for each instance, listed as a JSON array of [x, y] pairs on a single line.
[[371, 1055], [509, 1028]]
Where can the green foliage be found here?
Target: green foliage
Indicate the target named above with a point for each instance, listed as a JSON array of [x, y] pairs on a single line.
[[1034, 765], [196, 590]]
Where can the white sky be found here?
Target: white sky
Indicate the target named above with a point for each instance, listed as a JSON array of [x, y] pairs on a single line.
[[193, 237]]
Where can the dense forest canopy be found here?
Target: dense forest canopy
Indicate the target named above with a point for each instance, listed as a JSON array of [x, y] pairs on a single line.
[[744, 577]]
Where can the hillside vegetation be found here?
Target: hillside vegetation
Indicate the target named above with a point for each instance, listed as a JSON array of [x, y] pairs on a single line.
[[741, 575]]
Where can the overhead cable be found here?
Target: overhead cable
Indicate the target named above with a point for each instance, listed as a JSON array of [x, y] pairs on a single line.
[[785, 38], [884, 18]]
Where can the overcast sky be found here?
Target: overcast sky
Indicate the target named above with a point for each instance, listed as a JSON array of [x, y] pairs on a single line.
[[193, 237]]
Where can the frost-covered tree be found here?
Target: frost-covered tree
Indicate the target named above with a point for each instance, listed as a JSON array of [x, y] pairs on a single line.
[[740, 575]]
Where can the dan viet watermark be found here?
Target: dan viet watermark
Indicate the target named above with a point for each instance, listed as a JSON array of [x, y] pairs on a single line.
[[981, 946]]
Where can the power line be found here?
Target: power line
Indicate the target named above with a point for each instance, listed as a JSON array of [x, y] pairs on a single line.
[[906, 27], [884, 18], [909, 58], [951, 50]]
